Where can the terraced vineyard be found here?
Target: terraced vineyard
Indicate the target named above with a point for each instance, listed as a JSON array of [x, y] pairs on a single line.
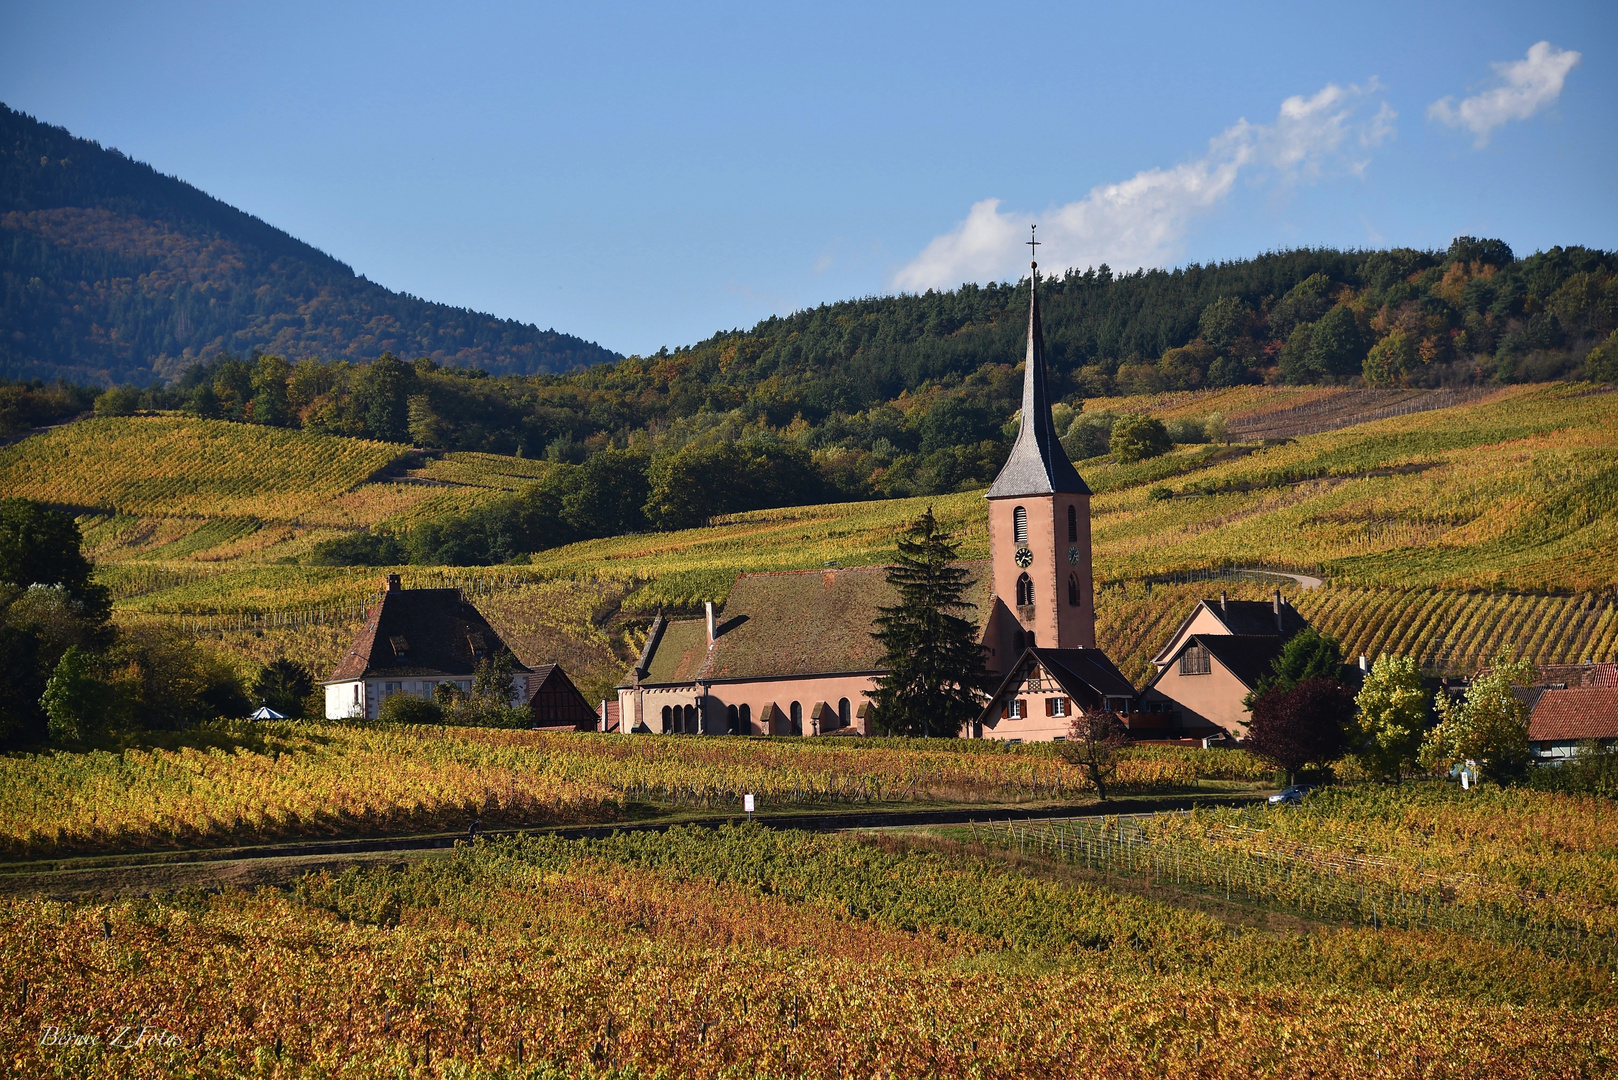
[[1442, 534]]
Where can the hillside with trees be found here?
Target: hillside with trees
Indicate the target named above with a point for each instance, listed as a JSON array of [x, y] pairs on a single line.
[[111, 272]]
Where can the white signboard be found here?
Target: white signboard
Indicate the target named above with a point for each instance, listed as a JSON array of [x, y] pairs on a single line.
[[747, 802], [1466, 780]]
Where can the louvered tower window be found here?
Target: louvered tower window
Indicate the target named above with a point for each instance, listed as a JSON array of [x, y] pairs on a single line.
[[1019, 525]]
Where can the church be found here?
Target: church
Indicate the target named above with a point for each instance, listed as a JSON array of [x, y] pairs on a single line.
[[791, 653]]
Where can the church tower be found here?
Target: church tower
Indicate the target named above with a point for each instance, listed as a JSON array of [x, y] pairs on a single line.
[[1039, 527]]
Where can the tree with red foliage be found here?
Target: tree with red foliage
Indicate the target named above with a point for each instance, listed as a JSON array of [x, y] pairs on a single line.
[[1305, 725], [1093, 741]]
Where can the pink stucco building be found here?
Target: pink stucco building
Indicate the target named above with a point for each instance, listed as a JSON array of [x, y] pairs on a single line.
[[792, 652]]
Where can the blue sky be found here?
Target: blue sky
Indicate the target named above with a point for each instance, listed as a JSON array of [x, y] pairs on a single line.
[[647, 175]]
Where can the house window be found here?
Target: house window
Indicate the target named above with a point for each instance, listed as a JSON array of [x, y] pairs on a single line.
[[733, 719], [1056, 706], [843, 714], [746, 713], [668, 718], [356, 693], [1016, 709], [1073, 590], [389, 689], [690, 719], [1072, 524], [796, 712], [1019, 525], [1025, 591], [1195, 661]]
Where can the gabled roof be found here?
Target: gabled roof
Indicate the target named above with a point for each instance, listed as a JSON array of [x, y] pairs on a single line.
[[1249, 657], [794, 622], [679, 653], [420, 632], [1088, 676], [1085, 667], [1589, 712], [1247, 617], [1037, 465]]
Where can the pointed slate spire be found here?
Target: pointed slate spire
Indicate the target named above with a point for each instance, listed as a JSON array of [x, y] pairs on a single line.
[[1038, 465]]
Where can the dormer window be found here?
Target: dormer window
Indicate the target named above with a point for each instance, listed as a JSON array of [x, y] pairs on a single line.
[[1195, 661], [479, 648], [401, 647]]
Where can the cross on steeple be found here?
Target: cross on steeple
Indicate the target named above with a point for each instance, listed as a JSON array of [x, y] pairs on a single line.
[[1032, 244]]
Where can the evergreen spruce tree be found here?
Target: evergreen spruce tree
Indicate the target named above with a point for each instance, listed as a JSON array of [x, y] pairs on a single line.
[[931, 651]]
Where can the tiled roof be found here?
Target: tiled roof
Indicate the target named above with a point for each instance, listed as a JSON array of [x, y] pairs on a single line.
[[679, 653], [1037, 464], [420, 632], [1256, 617], [1086, 675], [1085, 667], [1589, 712], [1576, 675], [1249, 657], [797, 622], [1571, 676]]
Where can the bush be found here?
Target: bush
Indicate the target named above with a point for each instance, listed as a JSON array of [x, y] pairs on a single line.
[[1602, 363], [1137, 437], [1088, 436], [1594, 771], [358, 549], [407, 709], [119, 401], [1159, 493], [76, 699]]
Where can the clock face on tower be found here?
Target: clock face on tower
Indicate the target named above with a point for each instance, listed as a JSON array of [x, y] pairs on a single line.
[[1073, 555], [1024, 557]]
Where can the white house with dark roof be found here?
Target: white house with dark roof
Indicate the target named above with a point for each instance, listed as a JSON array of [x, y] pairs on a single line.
[[414, 640], [792, 653]]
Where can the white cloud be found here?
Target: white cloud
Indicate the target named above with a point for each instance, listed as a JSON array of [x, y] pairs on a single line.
[[1527, 86], [1142, 221]]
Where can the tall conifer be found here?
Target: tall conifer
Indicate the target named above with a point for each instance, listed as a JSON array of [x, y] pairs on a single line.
[[930, 648]]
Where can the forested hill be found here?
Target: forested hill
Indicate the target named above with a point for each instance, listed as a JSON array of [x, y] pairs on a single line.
[[113, 272]]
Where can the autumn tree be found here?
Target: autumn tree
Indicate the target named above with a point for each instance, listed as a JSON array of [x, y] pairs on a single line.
[[1094, 741], [1488, 726], [1392, 717], [1305, 725]]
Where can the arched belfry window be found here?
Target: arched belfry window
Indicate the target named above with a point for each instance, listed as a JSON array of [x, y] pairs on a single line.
[[1019, 525], [1025, 590], [1073, 589], [1072, 524]]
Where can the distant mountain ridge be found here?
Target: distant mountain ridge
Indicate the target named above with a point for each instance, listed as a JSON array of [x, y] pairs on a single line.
[[113, 272]]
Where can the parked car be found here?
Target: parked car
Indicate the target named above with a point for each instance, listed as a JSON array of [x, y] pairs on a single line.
[[1293, 794]]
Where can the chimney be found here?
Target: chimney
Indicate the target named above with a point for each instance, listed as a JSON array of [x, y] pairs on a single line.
[[1224, 602], [708, 604], [393, 583], [1278, 611]]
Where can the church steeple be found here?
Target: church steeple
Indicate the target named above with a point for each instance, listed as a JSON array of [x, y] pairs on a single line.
[[1038, 465]]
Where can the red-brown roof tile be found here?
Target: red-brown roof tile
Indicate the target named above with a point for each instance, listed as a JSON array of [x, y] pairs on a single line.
[[1564, 715]]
